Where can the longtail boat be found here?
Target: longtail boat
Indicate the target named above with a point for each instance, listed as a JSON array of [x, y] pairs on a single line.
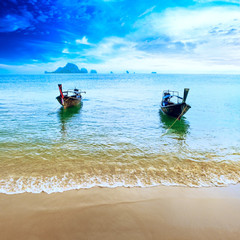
[[69, 98], [174, 105]]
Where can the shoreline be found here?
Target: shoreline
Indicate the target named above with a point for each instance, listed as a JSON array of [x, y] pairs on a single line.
[[161, 212]]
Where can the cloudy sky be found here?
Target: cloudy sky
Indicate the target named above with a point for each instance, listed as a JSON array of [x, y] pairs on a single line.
[[170, 36]]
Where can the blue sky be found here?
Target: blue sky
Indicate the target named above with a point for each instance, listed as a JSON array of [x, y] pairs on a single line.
[[187, 36]]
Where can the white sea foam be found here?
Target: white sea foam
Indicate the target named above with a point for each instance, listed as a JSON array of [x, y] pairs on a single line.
[[55, 184]]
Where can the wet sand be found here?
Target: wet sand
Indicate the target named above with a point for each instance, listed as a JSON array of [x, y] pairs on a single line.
[[123, 213]]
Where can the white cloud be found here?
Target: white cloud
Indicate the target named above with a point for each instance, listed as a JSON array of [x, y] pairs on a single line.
[[147, 11], [119, 55], [65, 50], [209, 1], [143, 63], [111, 47], [184, 24], [11, 23], [207, 36], [84, 41]]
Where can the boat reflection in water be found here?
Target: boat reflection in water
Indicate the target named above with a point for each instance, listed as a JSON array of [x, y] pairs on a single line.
[[171, 125], [66, 114]]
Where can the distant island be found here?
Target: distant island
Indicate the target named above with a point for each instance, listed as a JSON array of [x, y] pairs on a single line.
[[71, 68]]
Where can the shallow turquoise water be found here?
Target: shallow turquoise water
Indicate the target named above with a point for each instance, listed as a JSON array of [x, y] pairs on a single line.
[[117, 136]]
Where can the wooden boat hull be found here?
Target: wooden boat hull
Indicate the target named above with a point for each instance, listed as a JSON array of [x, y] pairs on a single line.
[[69, 101], [175, 110]]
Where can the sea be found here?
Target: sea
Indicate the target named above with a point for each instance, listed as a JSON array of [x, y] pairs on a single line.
[[117, 137]]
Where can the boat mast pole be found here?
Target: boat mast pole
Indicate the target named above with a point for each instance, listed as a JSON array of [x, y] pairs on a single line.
[[60, 90], [186, 90], [61, 93]]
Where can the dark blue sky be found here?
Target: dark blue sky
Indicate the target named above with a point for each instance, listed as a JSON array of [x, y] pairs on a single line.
[[115, 35]]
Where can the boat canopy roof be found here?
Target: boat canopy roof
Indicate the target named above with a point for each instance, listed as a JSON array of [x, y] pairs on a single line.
[[170, 94], [167, 94], [73, 91]]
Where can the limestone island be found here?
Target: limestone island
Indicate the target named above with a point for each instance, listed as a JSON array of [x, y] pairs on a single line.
[[69, 68]]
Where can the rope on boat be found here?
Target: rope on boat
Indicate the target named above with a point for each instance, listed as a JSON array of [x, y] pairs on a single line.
[[53, 111], [178, 118], [56, 108]]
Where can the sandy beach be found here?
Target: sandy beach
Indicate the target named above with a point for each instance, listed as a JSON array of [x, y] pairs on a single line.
[[123, 213]]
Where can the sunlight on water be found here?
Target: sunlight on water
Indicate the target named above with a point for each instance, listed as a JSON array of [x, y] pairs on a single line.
[[117, 136]]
